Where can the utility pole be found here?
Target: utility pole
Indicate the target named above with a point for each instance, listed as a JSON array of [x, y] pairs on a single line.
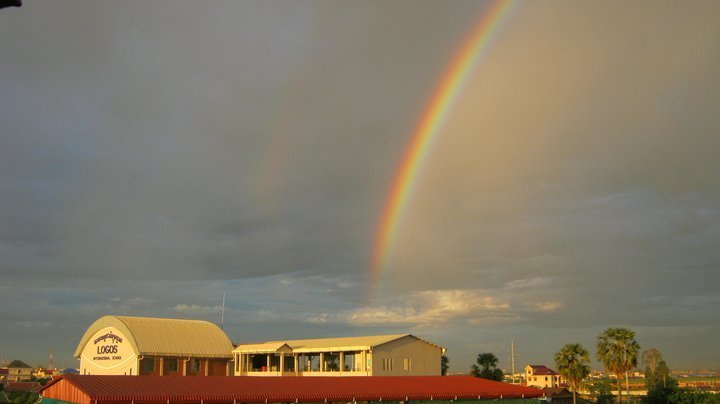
[[512, 359]]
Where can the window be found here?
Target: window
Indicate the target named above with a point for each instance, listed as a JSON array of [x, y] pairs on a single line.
[[194, 365], [387, 364], [147, 365], [171, 365], [407, 364]]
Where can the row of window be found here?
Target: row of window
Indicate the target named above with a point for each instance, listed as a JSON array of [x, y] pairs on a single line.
[[557, 378], [170, 365], [387, 364]]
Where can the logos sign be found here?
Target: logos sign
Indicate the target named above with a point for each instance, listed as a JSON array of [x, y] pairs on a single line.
[[107, 347], [108, 351]]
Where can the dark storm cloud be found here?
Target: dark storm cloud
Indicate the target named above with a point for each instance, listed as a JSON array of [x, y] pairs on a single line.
[[157, 155]]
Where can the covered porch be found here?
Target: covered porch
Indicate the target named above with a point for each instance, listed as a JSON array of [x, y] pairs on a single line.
[[279, 359]]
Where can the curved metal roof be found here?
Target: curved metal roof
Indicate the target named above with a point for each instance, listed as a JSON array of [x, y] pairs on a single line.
[[165, 336]]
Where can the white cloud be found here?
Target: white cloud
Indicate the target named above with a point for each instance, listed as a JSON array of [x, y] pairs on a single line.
[[429, 308], [546, 306], [528, 283], [197, 310]]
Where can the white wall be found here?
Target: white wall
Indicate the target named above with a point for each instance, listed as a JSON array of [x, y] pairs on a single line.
[[422, 358], [108, 352]]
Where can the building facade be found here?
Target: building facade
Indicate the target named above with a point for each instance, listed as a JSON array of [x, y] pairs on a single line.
[[18, 371], [119, 345], [384, 355], [541, 376]]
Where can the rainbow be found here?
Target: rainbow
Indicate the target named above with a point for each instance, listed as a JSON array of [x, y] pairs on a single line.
[[437, 110]]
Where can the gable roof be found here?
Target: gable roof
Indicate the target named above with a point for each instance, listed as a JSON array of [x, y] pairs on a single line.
[[331, 344], [18, 364], [23, 386], [266, 347], [249, 389], [165, 336], [542, 370]]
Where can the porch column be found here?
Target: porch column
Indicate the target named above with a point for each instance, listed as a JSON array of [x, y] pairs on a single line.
[[282, 363], [322, 361], [295, 361], [342, 361], [162, 366]]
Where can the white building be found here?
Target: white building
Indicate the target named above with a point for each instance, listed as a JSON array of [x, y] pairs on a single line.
[[118, 345], [386, 355], [542, 376]]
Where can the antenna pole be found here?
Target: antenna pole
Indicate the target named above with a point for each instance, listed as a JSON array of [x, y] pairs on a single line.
[[512, 359], [222, 313]]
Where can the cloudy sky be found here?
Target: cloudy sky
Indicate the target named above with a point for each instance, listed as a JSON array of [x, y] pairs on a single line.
[[155, 155]]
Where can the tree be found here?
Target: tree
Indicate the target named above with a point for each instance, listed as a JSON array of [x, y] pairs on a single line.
[[652, 358], [444, 365], [602, 392], [617, 350], [572, 363], [689, 396], [657, 377], [488, 367]]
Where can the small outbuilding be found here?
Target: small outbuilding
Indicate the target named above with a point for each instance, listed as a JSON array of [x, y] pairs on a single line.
[[119, 345]]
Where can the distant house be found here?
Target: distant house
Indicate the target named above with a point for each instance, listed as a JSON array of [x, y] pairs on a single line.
[[542, 376], [18, 371], [42, 373], [3, 375]]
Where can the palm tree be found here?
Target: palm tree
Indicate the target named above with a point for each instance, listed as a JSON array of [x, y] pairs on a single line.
[[444, 365], [488, 367], [618, 352], [571, 362]]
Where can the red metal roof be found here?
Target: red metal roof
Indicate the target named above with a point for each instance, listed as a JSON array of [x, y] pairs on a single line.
[[542, 370], [248, 389], [22, 386]]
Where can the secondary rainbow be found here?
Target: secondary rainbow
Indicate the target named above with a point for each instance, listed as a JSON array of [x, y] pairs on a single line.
[[445, 95]]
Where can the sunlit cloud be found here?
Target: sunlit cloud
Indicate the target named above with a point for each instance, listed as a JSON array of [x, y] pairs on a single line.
[[528, 283], [194, 309]]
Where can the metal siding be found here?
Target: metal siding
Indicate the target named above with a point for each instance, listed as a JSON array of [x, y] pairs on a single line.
[[175, 337], [166, 337], [155, 389]]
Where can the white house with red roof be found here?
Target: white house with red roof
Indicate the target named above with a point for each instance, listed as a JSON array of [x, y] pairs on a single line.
[[542, 376]]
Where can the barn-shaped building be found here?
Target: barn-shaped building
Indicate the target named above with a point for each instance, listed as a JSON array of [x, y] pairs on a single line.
[[119, 345]]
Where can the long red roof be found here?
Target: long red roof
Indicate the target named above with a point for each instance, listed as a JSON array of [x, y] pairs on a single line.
[[248, 389]]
